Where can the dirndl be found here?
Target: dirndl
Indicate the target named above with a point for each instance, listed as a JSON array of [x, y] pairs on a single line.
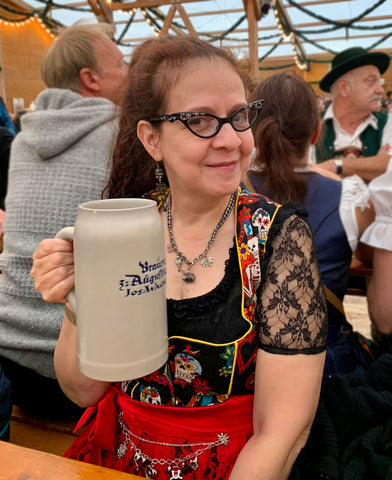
[[164, 442]]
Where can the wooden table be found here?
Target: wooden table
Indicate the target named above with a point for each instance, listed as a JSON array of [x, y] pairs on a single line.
[[20, 463]]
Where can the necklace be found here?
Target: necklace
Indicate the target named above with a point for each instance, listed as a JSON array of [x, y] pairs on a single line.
[[174, 465], [203, 258]]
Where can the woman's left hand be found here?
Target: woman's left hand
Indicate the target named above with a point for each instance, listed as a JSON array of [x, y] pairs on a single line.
[[53, 269]]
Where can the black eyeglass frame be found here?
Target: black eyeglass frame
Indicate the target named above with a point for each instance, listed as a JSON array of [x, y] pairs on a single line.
[[185, 116]]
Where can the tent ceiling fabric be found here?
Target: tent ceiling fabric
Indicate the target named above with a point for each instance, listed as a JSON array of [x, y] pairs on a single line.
[[287, 30]]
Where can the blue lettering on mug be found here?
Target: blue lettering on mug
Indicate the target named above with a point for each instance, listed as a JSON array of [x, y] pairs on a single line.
[[152, 277]]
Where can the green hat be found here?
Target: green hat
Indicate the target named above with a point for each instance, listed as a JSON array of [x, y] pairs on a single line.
[[353, 58]]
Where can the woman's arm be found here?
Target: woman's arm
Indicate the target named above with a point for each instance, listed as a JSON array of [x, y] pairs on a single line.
[[379, 236], [289, 367], [364, 252], [379, 291], [285, 402], [80, 389]]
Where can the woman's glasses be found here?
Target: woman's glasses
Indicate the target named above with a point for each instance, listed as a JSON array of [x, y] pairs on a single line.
[[206, 125]]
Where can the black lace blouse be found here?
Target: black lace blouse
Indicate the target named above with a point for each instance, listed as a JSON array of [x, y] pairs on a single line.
[[290, 311], [213, 346]]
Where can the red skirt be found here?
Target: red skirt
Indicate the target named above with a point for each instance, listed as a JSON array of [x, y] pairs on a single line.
[[163, 442]]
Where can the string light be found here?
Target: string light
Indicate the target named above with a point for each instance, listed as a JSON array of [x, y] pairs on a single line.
[[286, 36], [128, 12], [22, 23], [289, 37], [148, 20]]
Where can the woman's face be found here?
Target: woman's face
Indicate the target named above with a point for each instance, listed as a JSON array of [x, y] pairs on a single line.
[[205, 166]]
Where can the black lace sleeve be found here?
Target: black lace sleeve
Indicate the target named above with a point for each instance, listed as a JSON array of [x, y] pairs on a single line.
[[291, 308]]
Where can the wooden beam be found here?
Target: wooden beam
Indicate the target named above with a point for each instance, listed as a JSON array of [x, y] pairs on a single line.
[[148, 4], [168, 21], [256, 9], [20, 4], [253, 61], [101, 10], [271, 44], [187, 22]]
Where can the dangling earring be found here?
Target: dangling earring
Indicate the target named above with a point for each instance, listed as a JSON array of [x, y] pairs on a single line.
[[161, 186]]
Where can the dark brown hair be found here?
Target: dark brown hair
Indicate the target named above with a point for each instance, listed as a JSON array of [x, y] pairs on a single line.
[[282, 134], [155, 67]]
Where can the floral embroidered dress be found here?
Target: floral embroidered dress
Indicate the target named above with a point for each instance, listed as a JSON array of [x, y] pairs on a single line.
[[191, 418]]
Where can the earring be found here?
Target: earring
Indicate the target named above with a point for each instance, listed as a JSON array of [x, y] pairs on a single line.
[[160, 186]]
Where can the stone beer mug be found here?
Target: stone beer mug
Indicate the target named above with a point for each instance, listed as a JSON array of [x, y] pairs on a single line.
[[120, 288]]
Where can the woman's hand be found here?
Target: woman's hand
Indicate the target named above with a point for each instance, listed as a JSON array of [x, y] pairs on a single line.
[[53, 269]]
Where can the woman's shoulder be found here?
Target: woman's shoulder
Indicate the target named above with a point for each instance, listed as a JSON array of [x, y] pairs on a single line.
[[260, 216], [246, 196]]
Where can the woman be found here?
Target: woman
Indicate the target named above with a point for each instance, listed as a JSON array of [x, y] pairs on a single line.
[[185, 117], [338, 211]]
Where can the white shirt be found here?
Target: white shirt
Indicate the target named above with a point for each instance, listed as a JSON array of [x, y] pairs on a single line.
[[379, 233], [355, 193]]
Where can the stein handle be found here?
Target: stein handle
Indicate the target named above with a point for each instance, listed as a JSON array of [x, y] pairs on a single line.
[[67, 233]]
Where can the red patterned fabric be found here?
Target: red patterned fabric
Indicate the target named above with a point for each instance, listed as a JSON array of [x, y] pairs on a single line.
[[99, 444]]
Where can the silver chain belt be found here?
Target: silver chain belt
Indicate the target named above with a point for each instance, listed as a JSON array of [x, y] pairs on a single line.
[[174, 465]]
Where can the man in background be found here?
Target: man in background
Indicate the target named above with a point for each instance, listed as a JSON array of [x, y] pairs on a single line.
[[58, 161], [358, 137]]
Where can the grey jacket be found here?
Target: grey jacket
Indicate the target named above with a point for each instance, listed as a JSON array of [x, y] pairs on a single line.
[[58, 160]]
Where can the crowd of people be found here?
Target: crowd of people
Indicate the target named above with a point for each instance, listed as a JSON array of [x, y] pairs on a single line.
[[263, 202]]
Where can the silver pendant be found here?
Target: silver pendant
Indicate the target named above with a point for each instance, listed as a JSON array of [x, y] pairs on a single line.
[[223, 439], [122, 450], [150, 472], [175, 474], [179, 263], [188, 277], [193, 464], [206, 261], [138, 456]]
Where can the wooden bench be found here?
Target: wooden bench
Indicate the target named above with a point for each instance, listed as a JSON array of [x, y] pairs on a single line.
[[44, 435]]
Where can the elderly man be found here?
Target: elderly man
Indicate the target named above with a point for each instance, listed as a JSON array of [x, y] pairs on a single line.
[[358, 137], [58, 160]]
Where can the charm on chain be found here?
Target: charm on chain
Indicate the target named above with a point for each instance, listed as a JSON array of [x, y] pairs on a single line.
[[121, 450], [193, 464], [138, 456], [150, 472], [175, 474], [206, 261], [223, 439], [188, 277]]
